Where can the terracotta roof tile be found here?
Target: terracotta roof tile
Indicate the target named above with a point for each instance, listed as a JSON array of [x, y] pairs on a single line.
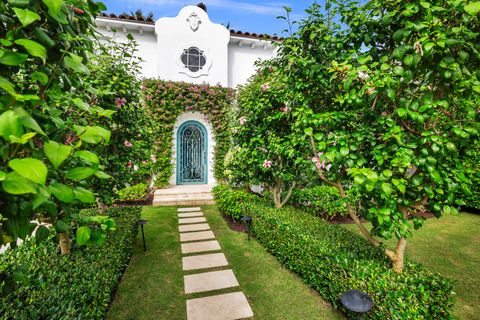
[[129, 18]]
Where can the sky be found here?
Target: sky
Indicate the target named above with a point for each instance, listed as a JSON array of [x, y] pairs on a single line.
[[244, 15]]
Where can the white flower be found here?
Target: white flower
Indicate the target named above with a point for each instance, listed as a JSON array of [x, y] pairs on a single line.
[[418, 48], [135, 167], [363, 75]]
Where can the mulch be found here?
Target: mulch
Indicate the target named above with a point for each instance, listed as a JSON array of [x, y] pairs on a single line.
[[234, 225]]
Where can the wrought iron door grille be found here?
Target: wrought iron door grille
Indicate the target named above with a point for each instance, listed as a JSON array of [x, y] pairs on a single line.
[[192, 153]]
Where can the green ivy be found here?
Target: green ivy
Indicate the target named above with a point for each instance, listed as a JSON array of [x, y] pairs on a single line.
[[137, 192], [165, 101]]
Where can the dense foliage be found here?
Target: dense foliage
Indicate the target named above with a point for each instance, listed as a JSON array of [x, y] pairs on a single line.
[[136, 192], [231, 203], [75, 286], [165, 101], [324, 201], [472, 163], [128, 159], [264, 134], [386, 96], [333, 260], [49, 120]]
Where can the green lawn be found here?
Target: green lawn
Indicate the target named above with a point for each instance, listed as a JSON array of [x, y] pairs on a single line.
[[451, 246], [153, 284]]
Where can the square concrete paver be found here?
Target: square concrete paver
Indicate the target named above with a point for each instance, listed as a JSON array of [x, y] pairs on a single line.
[[189, 209], [193, 227], [228, 306], [191, 220], [203, 246], [204, 261], [194, 236], [190, 214], [209, 281]]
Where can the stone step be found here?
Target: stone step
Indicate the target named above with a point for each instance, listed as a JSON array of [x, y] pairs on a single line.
[[195, 236], [230, 306], [185, 189], [191, 220], [209, 281], [191, 209], [194, 227], [190, 214], [174, 201], [196, 247], [204, 261]]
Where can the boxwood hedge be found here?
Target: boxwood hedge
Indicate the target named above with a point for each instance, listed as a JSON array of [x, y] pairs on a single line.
[[333, 260], [75, 286]]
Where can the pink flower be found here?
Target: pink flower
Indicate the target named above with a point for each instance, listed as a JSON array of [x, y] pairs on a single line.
[[265, 87], [384, 114], [318, 163], [242, 120], [285, 109], [127, 144], [267, 164], [418, 48], [153, 158], [149, 97], [144, 162], [120, 102], [129, 164]]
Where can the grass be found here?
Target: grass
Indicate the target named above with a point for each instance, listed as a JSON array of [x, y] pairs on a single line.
[[152, 287], [450, 246]]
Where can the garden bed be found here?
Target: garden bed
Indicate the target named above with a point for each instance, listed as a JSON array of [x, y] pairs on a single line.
[[332, 260], [78, 285]]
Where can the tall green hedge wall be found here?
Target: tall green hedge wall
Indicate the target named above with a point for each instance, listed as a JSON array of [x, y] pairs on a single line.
[[165, 101], [472, 163]]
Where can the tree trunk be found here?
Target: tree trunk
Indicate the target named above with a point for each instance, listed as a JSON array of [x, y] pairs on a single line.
[[397, 257], [64, 242], [277, 193]]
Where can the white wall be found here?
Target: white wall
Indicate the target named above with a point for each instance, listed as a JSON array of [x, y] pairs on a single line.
[[176, 34], [242, 58], [147, 43], [196, 116]]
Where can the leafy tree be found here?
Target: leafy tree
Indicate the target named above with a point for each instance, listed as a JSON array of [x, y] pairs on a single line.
[[386, 94], [265, 137], [46, 161]]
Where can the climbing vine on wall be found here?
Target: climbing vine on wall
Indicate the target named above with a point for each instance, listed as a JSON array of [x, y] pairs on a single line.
[[165, 101]]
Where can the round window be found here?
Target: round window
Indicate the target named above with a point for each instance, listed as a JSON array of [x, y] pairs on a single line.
[[193, 59]]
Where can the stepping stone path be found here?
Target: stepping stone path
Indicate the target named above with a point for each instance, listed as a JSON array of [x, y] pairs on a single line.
[[198, 239]]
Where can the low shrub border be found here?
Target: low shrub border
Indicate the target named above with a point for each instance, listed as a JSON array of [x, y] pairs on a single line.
[[75, 286], [333, 260]]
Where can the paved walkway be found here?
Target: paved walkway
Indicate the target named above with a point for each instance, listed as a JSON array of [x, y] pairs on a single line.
[[202, 252]]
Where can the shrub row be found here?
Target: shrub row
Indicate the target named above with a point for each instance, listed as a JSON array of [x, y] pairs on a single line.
[[333, 260], [472, 162], [75, 286], [136, 192], [323, 201], [232, 204]]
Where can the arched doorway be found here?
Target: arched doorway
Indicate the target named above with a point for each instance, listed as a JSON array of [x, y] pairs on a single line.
[[192, 154]]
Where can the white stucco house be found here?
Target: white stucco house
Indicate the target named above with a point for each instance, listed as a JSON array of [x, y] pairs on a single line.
[[191, 48]]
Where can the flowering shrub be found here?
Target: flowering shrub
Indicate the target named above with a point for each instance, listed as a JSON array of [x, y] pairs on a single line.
[[165, 101]]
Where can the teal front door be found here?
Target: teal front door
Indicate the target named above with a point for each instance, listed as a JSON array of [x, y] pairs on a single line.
[[192, 157]]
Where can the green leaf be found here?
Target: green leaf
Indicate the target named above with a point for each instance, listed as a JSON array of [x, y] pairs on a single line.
[[359, 179], [344, 151], [62, 192], [31, 169], [61, 226], [80, 173], [23, 139], [402, 113], [34, 48], [83, 235], [387, 188], [74, 62], [95, 135], [54, 6], [87, 156], [29, 122], [7, 86], [473, 8], [84, 195], [102, 175], [10, 58], [26, 16], [81, 104], [16, 184], [3, 174], [41, 234], [40, 77], [56, 152], [308, 131]]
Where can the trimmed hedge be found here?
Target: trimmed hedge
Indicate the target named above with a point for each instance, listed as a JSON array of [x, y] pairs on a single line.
[[136, 192], [232, 203], [75, 286], [323, 201], [333, 260]]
